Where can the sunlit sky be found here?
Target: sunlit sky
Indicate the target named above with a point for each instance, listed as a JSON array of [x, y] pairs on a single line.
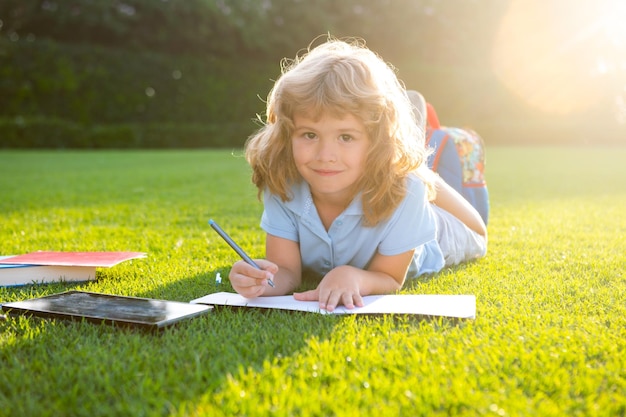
[[562, 56]]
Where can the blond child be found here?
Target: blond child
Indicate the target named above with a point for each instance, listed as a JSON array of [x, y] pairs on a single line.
[[340, 165]]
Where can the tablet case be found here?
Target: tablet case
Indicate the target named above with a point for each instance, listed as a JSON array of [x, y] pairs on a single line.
[[98, 308]]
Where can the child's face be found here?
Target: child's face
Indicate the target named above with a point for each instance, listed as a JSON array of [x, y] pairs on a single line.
[[330, 153]]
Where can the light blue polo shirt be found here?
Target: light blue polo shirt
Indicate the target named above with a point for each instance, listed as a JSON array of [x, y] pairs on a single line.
[[348, 242]]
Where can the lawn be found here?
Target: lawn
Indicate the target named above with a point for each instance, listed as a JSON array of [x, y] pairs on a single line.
[[549, 338]]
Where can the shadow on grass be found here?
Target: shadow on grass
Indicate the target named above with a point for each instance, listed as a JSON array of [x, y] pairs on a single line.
[[86, 366], [230, 340]]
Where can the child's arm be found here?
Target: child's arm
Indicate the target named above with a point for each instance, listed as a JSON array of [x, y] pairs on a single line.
[[346, 284], [282, 266], [286, 254], [451, 201]]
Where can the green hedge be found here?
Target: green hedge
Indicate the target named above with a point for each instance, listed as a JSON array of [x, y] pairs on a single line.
[[97, 85], [52, 133], [56, 95]]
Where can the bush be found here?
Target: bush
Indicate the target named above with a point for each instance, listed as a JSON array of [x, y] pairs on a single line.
[[96, 86], [52, 133]]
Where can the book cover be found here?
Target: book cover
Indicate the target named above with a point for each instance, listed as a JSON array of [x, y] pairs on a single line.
[[97, 259], [44, 267]]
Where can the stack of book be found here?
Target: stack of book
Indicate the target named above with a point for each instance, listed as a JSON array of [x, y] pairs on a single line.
[[44, 267]]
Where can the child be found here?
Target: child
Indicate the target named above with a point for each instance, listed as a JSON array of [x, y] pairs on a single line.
[[340, 163]]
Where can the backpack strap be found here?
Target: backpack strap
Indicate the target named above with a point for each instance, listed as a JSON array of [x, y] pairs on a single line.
[[431, 117], [435, 139]]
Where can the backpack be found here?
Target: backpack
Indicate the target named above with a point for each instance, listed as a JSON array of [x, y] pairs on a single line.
[[459, 158]]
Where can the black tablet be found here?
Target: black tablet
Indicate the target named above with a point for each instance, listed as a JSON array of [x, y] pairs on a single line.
[[109, 309]]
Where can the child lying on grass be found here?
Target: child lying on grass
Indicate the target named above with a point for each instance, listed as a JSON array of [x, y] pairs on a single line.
[[340, 164]]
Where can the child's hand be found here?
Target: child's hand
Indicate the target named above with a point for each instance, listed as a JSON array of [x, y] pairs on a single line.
[[249, 281], [339, 286]]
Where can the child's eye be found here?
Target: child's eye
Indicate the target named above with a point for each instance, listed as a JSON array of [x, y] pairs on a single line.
[[309, 135], [345, 138]]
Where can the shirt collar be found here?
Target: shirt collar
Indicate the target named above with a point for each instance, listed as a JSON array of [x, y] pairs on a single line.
[[302, 201]]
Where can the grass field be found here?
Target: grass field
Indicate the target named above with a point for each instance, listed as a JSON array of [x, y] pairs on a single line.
[[549, 338]]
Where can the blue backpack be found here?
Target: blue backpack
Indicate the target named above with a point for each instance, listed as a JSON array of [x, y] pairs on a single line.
[[459, 158]]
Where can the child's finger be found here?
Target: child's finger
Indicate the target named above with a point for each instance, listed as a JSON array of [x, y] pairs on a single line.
[[311, 295], [358, 300], [347, 300], [251, 292], [245, 281], [330, 300]]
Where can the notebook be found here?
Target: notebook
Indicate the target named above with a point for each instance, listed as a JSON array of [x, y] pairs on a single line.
[[455, 306], [98, 308]]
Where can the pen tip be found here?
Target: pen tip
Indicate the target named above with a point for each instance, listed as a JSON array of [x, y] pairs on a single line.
[[211, 221]]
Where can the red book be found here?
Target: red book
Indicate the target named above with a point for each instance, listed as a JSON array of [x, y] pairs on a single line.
[[98, 259], [43, 267]]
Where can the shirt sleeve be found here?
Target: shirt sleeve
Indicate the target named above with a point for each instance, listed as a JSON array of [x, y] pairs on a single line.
[[277, 219], [412, 224]]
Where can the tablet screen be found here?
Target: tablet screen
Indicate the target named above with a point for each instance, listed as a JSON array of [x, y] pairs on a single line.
[[110, 309]]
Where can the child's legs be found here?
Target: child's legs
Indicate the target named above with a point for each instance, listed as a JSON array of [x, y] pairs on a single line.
[[457, 241]]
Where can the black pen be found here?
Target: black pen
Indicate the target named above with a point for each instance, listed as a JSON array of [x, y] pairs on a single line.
[[236, 248]]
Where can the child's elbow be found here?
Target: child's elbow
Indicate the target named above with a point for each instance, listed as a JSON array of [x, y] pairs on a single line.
[[481, 229]]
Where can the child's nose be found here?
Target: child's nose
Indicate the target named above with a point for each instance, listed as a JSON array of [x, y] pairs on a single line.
[[327, 151]]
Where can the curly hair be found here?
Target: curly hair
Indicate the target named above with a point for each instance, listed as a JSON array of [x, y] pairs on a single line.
[[341, 77]]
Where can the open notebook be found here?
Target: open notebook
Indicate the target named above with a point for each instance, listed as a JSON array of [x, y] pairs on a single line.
[[457, 306]]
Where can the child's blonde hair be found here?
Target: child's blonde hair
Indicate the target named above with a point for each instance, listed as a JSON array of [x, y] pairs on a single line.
[[338, 78]]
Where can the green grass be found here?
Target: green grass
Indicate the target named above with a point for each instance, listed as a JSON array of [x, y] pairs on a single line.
[[549, 338]]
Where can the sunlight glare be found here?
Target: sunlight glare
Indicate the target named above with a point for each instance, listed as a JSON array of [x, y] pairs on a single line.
[[561, 56]]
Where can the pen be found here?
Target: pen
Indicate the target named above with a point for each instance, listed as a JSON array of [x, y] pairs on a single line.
[[236, 248]]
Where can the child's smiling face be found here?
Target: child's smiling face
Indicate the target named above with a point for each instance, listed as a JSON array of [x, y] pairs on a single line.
[[330, 153]]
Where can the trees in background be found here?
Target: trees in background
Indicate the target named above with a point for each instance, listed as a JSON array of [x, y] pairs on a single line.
[[258, 28], [194, 72]]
